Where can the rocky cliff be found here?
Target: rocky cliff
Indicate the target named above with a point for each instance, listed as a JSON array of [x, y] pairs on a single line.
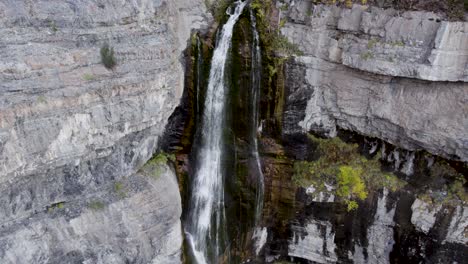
[[398, 76], [73, 133]]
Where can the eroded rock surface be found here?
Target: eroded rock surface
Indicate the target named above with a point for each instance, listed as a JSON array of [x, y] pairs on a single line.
[[72, 131], [401, 77]]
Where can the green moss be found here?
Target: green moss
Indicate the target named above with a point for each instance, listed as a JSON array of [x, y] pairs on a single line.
[[367, 55], [88, 77], [371, 44], [397, 43], [52, 207], [119, 188], [153, 167], [53, 26], [96, 205], [41, 99]]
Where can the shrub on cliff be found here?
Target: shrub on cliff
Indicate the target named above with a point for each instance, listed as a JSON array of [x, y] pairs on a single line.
[[341, 165], [107, 56]]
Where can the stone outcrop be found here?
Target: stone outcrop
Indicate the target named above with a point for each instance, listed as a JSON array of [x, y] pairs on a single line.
[[70, 129], [134, 220], [398, 76], [424, 215], [314, 242]]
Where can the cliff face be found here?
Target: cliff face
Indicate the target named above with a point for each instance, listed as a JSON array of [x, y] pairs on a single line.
[[398, 76], [72, 133]]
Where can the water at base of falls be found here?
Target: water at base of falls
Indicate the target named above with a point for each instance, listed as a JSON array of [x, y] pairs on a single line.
[[205, 228]]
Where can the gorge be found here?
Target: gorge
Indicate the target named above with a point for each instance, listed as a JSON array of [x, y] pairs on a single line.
[[255, 131]]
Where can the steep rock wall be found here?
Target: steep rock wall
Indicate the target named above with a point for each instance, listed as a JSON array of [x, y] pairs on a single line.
[[398, 76], [72, 131]]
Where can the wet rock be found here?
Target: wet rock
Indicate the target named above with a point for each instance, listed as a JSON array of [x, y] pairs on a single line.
[[458, 229]]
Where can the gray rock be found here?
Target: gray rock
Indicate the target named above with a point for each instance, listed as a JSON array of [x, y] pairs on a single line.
[[413, 44], [380, 233], [137, 222], [412, 114], [424, 215], [458, 229], [70, 128], [314, 242], [368, 70]]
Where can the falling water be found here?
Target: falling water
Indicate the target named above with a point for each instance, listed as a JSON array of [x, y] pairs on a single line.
[[206, 224], [199, 75], [260, 234], [255, 90]]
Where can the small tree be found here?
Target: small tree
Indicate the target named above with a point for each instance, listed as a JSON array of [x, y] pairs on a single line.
[[351, 185], [107, 56]]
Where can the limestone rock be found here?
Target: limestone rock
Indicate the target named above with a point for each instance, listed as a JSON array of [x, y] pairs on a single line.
[[424, 215], [139, 222], [70, 128], [314, 242], [399, 77]]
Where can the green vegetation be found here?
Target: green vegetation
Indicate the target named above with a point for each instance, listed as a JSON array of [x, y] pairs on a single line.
[[96, 205], [450, 193], [52, 207], [282, 22], [107, 56], [218, 8], [372, 43], [367, 55], [397, 44], [153, 167], [53, 26], [350, 183], [271, 39], [41, 99], [88, 77], [341, 165], [119, 188]]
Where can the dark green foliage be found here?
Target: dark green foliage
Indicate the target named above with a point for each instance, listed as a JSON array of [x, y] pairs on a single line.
[[107, 56]]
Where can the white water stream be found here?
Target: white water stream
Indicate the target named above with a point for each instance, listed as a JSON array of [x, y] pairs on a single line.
[[206, 228]]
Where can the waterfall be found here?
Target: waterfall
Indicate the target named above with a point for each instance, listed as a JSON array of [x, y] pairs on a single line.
[[260, 234], [255, 90], [199, 76], [206, 225]]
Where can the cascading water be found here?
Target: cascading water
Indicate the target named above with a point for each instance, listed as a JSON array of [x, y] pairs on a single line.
[[260, 233], [255, 91], [206, 226], [199, 76]]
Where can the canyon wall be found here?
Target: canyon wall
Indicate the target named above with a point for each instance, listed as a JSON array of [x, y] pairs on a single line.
[[394, 76], [73, 133], [398, 76]]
